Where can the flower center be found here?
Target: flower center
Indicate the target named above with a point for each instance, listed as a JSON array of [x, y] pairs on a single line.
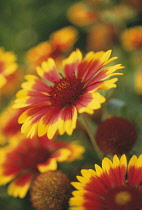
[[66, 92], [124, 198]]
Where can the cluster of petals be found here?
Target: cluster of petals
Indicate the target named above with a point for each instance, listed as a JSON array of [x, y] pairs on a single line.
[[53, 100], [23, 159], [131, 38], [115, 185]]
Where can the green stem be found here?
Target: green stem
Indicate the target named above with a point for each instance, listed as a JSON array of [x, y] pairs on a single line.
[[92, 139]]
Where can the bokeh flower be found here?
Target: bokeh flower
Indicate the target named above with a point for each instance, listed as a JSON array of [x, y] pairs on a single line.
[[131, 38], [81, 14], [115, 185], [51, 190], [116, 135], [101, 36], [25, 158], [53, 101], [59, 43], [8, 65]]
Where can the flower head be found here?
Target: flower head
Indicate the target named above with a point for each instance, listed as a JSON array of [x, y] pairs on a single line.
[[115, 185], [8, 65], [53, 101], [131, 38], [25, 158], [101, 36], [80, 14], [51, 190], [116, 135]]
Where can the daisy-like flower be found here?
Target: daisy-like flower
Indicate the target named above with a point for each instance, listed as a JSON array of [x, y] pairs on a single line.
[[131, 38], [115, 185], [8, 65], [53, 101], [60, 42], [25, 158]]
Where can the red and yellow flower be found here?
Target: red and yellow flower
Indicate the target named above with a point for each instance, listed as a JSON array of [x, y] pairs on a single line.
[[8, 65], [115, 185], [131, 38], [53, 101], [25, 158], [60, 42]]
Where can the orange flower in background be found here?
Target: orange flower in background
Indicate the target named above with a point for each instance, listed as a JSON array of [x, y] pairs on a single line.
[[114, 186], [101, 36], [36, 55], [25, 158], [131, 38], [8, 66], [80, 14], [54, 100], [138, 82], [63, 39], [59, 43]]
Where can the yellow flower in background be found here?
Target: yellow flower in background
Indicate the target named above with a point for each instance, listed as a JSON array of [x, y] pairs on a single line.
[[60, 42], [63, 39], [80, 14], [24, 158], [8, 65], [114, 186], [131, 38], [53, 100]]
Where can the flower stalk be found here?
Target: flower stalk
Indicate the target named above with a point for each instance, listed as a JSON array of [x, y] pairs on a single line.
[[91, 136]]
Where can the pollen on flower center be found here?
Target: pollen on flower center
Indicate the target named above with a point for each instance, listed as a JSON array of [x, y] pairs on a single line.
[[123, 197], [66, 92]]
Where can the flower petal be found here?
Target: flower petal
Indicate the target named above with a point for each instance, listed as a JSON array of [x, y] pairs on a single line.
[[19, 187], [68, 120], [89, 102], [48, 71], [71, 63], [50, 164]]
